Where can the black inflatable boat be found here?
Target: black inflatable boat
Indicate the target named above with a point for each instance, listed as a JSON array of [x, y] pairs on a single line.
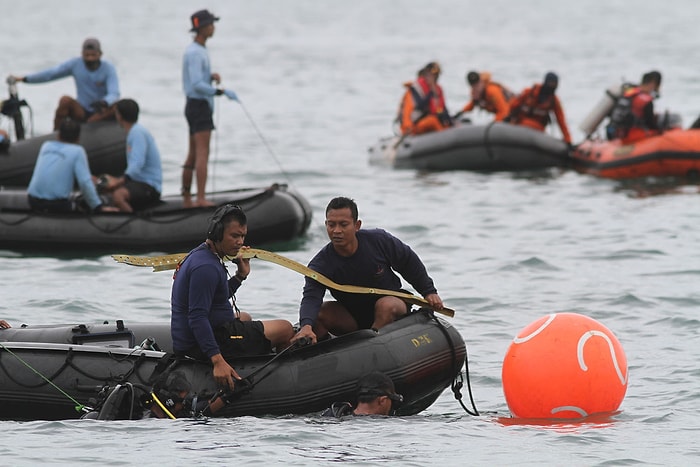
[[46, 371], [275, 214]]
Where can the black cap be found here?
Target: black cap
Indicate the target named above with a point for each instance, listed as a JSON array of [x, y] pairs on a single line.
[[551, 79], [374, 385], [652, 76], [473, 77], [202, 18]]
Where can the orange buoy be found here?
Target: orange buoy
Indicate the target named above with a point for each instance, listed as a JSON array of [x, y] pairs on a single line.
[[564, 365]]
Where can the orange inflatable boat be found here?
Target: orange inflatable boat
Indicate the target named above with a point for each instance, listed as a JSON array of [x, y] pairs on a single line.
[[675, 153]]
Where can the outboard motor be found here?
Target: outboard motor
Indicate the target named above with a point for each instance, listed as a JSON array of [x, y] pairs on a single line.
[[12, 107], [670, 121]]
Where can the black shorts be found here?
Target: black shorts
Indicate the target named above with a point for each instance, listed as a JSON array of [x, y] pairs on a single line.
[[361, 308], [236, 339], [199, 115], [141, 195], [242, 338]]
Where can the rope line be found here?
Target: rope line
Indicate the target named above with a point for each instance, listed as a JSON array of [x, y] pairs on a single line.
[[78, 406]]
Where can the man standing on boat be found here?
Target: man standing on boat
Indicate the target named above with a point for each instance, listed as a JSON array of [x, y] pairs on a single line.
[[365, 258], [96, 84], [199, 108], [203, 324]]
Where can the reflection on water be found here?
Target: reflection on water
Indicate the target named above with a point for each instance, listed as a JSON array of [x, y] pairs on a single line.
[[578, 425], [648, 187]]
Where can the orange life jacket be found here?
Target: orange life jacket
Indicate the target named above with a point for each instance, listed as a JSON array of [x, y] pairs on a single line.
[[627, 119], [485, 104], [420, 103], [527, 110], [528, 105]]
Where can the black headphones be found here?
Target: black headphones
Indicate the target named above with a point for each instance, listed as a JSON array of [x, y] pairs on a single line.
[[215, 231]]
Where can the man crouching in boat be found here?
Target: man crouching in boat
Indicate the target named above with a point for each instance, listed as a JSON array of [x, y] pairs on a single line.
[[364, 258], [203, 323]]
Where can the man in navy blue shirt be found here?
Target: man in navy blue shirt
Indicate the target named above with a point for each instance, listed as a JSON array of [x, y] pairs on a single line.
[[203, 324], [366, 258]]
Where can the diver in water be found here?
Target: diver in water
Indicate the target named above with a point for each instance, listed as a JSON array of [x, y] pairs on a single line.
[[376, 395]]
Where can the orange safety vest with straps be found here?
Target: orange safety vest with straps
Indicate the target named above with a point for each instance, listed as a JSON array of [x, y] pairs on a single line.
[[487, 104], [528, 105], [528, 110], [628, 119], [421, 107], [494, 98]]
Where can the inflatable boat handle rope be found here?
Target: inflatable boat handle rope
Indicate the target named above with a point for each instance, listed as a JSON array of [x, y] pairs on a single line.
[[78, 406], [167, 262]]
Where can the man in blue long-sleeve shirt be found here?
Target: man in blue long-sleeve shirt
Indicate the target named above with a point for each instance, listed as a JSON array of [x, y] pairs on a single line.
[[365, 258], [199, 108], [59, 165], [96, 83], [142, 182]]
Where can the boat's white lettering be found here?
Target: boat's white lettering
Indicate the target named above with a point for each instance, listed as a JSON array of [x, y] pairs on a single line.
[[421, 340]]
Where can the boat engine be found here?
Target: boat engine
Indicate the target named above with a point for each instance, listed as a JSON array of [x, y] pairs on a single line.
[[669, 120]]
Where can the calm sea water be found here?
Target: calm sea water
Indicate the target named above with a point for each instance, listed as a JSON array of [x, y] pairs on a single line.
[[321, 82]]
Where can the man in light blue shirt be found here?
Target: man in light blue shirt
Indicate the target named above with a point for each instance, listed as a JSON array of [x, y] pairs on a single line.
[[142, 182], [58, 166], [196, 81], [96, 84]]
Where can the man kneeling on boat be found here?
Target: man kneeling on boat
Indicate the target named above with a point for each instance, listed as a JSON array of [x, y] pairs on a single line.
[[203, 322], [364, 258]]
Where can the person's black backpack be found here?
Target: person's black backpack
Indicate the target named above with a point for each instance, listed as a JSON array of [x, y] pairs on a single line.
[[621, 117]]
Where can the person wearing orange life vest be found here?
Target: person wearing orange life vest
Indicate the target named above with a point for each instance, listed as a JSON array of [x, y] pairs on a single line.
[[532, 107], [487, 95], [422, 108], [633, 117]]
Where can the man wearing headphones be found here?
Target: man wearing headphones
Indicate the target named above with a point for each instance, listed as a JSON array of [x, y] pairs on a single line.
[[203, 322]]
